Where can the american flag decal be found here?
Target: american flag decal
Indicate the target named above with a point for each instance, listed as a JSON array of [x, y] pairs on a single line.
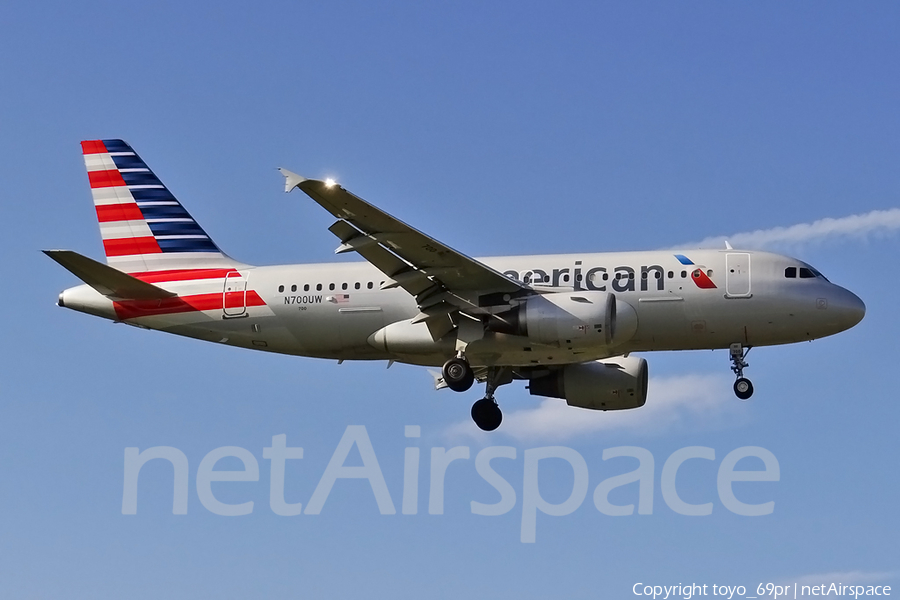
[[339, 299]]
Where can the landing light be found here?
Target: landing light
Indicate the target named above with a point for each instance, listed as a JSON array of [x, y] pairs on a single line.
[[330, 182]]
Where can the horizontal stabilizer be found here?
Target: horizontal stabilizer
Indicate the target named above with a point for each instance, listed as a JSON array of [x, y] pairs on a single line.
[[110, 282]]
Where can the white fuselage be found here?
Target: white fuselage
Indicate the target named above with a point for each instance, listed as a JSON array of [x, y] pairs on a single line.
[[332, 310]]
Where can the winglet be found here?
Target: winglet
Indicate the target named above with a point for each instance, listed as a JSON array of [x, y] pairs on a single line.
[[291, 179]]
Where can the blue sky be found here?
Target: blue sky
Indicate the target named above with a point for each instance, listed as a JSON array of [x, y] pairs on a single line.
[[501, 129]]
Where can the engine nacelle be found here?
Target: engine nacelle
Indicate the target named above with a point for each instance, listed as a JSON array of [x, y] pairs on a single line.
[[589, 318], [611, 384]]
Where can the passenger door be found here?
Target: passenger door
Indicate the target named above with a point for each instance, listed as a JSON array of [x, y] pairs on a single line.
[[737, 275]]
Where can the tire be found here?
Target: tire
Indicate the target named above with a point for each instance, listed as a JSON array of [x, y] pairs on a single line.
[[486, 414], [743, 389], [458, 375]]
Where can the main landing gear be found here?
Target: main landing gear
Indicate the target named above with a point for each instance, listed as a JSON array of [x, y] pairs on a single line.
[[486, 414], [743, 389], [459, 377]]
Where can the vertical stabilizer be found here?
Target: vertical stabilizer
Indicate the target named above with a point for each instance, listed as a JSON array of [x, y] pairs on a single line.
[[143, 226]]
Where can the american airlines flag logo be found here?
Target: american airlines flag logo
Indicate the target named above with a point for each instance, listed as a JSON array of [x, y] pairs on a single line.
[[143, 226]]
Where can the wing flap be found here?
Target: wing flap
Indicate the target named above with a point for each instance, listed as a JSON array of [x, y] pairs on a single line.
[[109, 281]]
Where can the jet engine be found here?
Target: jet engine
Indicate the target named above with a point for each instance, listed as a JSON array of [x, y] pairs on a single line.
[[572, 318], [611, 384]]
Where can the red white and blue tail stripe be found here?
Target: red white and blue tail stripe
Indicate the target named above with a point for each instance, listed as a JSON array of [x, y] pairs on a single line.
[[143, 226]]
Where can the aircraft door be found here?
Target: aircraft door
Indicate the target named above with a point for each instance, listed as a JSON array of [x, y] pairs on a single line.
[[737, 275], [234, 301]]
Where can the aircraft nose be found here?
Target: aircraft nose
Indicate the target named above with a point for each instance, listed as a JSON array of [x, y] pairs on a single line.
[[849, 307]]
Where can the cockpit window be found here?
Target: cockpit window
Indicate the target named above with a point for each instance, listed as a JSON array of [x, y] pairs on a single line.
[[806, 272], [817, 274]]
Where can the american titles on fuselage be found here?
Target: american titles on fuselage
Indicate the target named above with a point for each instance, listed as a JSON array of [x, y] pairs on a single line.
[[618, 279]]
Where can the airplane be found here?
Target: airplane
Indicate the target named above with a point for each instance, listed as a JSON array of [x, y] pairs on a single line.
[[568, 324]]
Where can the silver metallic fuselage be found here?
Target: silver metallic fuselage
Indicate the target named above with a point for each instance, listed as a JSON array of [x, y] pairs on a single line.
[[751, 302]]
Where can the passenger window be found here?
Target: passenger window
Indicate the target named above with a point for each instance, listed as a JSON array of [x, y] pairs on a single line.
[[280, 288], [356, 285], [369, 285], [806, 273], [683, 274], [331, 286], [294, 288], [790, 272], [306, 287], [318, 287], [343, 286], [671, 274]]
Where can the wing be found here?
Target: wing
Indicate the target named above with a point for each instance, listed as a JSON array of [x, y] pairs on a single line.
[[443, 280]]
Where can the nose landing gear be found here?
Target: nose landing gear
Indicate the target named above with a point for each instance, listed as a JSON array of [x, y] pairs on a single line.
[[743, 388]]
